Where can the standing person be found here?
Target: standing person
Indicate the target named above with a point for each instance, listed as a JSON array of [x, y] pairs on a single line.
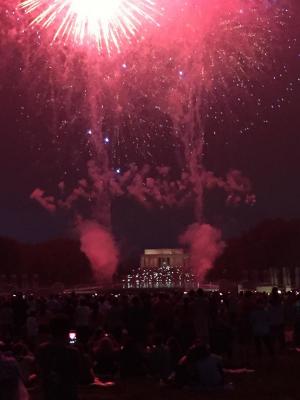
[[277, 320], [6, 321], [19, 306], [163, 315], [82, 320], [32, 329], [261, 327], [136, 320], [201, 317], [297, 321], [59, 364], [244, 326], [186, 327]]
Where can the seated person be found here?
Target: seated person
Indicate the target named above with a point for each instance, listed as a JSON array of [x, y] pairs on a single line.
[[200, 368], [106, 355], [26, 363], [59, 364], [11, 384], [209, 368]]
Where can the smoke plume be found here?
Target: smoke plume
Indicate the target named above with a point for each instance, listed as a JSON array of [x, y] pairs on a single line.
[[47, 202], [205, 245], [99, 247]]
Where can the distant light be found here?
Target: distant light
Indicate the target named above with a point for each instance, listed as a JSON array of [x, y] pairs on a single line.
[[180, 73], [89, 132], [279, 292], [124, 65], [106, 139], [118, 170]]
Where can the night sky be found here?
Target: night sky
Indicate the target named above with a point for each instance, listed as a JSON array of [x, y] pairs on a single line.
[[262, 139]]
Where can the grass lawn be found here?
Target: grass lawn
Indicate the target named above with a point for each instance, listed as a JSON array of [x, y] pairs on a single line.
[[277, 379]]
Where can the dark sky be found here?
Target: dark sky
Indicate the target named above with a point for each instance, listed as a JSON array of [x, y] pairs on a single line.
[[268, 153]]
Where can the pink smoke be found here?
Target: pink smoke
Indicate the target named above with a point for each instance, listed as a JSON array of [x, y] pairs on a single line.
[[144, 186], [99, 247], [47, 202], [205, 245]]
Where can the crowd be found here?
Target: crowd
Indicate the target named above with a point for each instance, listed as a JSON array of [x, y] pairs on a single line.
[[175, 337]]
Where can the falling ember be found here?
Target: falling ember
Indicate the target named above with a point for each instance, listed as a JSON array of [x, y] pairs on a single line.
[[104, 23]]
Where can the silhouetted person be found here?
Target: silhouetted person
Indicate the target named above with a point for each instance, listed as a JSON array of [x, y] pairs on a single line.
[[131, 360], [261, 327], [200, 368], [297, 321], [105, 358], [201, 316], [11, 384], [59, 364], [19, 305], [277, 319]]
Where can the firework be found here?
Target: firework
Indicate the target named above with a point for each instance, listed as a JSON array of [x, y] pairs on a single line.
[[105, 23], [195, 73], [205, 66]]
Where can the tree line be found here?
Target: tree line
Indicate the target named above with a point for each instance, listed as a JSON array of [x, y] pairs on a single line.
[[270, 244]]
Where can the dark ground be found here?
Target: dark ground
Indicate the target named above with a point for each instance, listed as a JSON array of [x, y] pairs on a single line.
[[273, 379]]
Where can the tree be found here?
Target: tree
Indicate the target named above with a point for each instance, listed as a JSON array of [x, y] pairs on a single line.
[[271, 244]]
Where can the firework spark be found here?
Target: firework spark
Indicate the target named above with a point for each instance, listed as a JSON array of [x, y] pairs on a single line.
[[106, 23]]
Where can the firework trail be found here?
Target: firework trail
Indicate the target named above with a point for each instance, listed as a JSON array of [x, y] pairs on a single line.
[[215, 49], [201, 52], [221, 47]]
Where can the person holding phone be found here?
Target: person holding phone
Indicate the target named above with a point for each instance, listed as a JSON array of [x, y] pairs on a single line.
[[59, 363], [72, 337]]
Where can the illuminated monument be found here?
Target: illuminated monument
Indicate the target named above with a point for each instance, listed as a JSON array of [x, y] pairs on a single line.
[[161, 268], [158, 258]]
